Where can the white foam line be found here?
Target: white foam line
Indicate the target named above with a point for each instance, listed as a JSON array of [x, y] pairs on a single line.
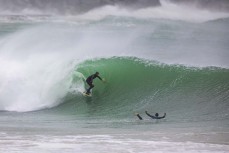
[[101, 144]]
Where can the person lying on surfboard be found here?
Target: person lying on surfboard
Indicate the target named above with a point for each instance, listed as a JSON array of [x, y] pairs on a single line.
[[89, 81], [156, 115], [153, 117]]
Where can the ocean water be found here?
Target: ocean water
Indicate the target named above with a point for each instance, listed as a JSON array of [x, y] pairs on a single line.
[[169, 59]]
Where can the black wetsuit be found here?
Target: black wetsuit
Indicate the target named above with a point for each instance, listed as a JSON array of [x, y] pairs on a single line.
[[89, 81], [155, 117]]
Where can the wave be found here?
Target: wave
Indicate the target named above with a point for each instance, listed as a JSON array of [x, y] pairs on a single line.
[[133, 85], [42, 64], [136, 85]]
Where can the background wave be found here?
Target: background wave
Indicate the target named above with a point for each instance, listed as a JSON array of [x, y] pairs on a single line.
[[78, 11], [59, 7]]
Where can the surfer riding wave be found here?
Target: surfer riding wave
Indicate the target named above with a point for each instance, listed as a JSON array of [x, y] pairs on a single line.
[[89, 81]]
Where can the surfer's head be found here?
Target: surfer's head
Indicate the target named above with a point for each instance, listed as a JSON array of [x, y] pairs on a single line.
[[156, 114], [97, 73]]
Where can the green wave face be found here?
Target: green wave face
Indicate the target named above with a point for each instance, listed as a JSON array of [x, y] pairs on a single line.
[[134, 85]]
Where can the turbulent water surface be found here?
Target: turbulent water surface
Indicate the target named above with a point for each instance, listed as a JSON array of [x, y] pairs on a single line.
[[159, 56]]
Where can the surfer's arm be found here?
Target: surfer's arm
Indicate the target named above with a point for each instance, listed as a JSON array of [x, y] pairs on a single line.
[[162, 116], [100, 78], [103, 80], [153, 117]]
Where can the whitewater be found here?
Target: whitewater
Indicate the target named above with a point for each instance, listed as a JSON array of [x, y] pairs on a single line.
[[169, 58]]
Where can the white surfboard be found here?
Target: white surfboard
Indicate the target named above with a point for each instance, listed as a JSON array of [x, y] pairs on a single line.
[[86, 95]]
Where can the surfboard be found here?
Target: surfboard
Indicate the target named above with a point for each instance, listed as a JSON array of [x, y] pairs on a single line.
[[86, 95]]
